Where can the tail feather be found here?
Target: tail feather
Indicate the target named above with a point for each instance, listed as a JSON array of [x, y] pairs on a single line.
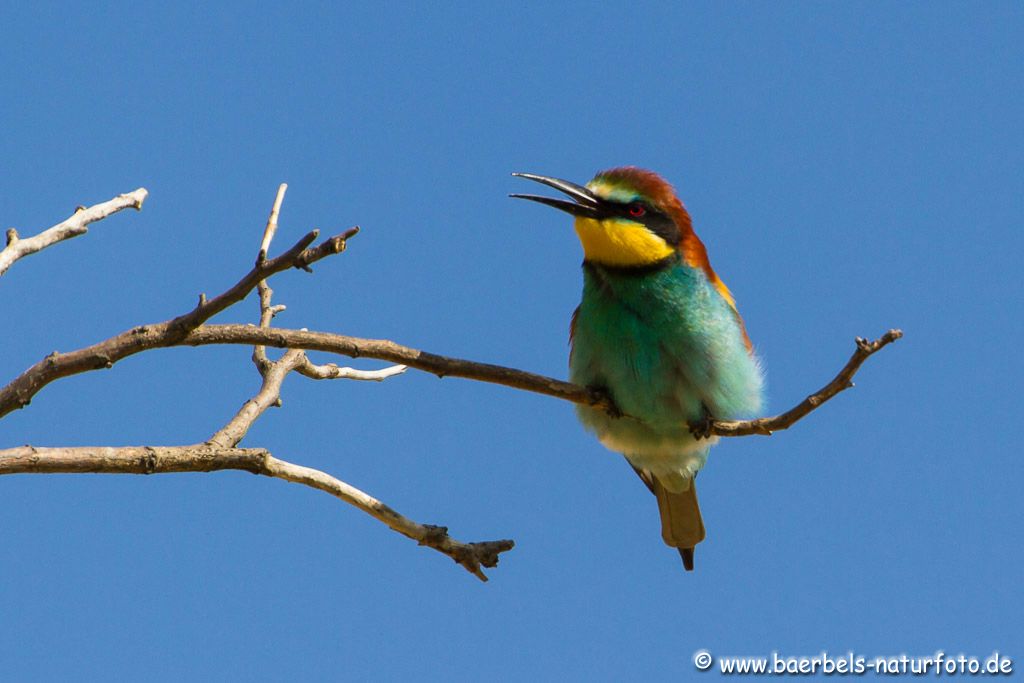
[[687, 555], [681, 524]]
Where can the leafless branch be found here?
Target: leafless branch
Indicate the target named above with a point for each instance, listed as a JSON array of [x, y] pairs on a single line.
[[209, 458], [19, 247], [844, 380], [221, 451], [19, 392], [332, 371], [268, 233], [443, 366], [472, 556], [269, 395], [274, 372], [383, 349]]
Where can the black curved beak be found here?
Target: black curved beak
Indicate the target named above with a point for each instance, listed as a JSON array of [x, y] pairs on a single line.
[[587, 203]]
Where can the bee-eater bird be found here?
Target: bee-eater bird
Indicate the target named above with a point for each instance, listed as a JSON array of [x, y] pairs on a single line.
[[659, 332]]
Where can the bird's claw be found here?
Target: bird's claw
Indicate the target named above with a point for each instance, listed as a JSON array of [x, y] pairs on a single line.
[[604, 397], [701, 428]]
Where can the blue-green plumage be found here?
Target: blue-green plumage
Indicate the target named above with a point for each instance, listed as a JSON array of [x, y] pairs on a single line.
[[658, 330], [666, 345]]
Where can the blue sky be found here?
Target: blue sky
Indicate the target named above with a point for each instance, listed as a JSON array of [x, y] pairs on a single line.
[[851, 167]]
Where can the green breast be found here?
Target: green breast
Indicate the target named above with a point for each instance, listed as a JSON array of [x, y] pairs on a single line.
[[665, 344]]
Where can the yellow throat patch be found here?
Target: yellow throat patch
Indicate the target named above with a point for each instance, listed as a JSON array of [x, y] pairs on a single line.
[[617, 242]]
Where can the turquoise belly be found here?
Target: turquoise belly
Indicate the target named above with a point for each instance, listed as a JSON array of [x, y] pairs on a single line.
[[665, 345]]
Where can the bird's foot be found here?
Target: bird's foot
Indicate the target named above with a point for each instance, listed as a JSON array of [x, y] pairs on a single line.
[[701, 428], [603, 397]]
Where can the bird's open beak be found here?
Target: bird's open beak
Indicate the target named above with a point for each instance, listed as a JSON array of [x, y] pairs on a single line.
[[587, 203]]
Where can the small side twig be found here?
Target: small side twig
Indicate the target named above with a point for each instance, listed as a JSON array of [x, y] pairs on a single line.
[[267, 311], [268, 232], [269, 395], [844, 380], [20, 247], [471, 556], [332, 371]]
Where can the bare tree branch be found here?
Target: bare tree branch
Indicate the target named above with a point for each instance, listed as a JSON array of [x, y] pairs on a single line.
[[383, 349], [208, 458], [443, 366], [19, 392], [74, 226], [844, 380], [268, 233], [221, 451], [188, 329], [332, 371], [269, 395], [274, 372], [471, 556], [355, 347]]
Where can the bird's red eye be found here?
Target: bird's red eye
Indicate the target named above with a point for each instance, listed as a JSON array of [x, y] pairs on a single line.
[[637, 210]]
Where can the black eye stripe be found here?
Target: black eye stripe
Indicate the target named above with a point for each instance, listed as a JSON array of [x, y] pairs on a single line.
[[662, 226], [655, 221]]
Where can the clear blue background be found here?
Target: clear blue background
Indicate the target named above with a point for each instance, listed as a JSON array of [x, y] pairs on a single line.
[[850, 167]]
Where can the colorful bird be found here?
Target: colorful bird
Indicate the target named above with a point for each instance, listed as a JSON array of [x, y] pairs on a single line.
[[659, 332]]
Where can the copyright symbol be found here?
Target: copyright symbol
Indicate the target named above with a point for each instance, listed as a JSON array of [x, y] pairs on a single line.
[[702, 659]]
